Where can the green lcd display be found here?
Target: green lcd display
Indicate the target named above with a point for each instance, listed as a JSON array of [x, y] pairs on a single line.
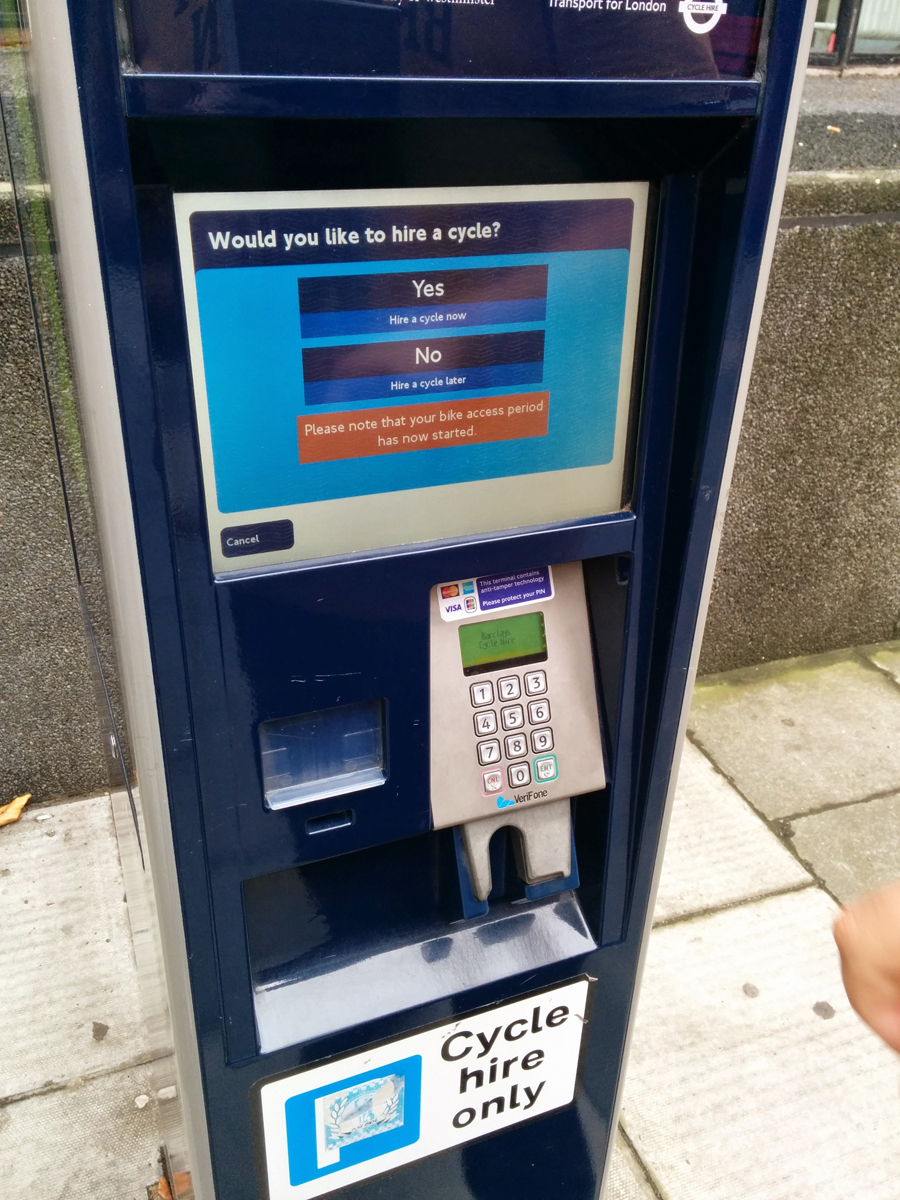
[[502, 642]]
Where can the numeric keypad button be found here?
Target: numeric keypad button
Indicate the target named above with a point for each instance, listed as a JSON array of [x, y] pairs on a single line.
[[509, 688], [518, 774], [512, 717], [535, 683], [488, 752], [545, 769], [485, 722], [542, 740], [516, 745], [539, 712], [491, 781], [481, 693]]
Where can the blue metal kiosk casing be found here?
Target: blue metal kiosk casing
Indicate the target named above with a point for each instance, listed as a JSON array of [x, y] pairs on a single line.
[[341, 970]]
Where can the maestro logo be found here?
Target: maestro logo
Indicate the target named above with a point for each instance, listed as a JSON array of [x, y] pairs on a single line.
[[712, 10], [353, 1120]]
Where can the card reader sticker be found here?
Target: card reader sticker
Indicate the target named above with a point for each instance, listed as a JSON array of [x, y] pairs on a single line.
[[487, 593], [500, 591]]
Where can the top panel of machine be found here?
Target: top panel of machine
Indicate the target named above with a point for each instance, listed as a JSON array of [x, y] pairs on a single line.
[[380, 368], [497, 39]]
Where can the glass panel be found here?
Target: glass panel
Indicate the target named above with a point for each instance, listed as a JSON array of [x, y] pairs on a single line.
[[825, 26], [878, 31], [321, 754], [693, 39]]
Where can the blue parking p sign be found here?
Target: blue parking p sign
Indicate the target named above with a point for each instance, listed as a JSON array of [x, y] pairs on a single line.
[[353, 1120]]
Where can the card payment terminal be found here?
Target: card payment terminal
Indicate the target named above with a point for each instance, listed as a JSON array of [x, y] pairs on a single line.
[[515, 730]]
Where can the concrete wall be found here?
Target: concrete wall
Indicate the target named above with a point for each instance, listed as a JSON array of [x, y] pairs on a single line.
[[809, 558]]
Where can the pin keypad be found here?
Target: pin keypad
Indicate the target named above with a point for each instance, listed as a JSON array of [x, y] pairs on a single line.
[[525, 727]]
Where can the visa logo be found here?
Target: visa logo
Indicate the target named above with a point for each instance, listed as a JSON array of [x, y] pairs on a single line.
[[452, 608]]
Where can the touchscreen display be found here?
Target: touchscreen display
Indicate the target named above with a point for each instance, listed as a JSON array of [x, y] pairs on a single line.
[[373, 369]]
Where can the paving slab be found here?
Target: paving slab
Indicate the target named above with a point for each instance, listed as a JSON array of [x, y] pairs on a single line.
[[69, 980], [718, 851], [626, 1179], [87, 1140], [801, 734], [852, 849], [887, 657], [750, 1076]]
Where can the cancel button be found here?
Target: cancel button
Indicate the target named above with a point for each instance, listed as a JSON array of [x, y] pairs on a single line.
[[257, 539]]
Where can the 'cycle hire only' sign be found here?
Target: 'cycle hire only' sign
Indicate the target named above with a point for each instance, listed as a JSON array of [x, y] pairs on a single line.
[[354, 1117]]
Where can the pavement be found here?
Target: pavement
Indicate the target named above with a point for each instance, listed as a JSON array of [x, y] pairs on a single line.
[[848, 123], [87, 1081], [750, 1077]]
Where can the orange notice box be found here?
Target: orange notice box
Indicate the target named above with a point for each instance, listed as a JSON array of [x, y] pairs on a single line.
[[422, 426]]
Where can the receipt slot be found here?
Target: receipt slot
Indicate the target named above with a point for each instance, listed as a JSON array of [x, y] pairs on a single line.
[[410, 341]]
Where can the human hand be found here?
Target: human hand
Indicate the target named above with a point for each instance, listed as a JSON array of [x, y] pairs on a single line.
[[868, 938]]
